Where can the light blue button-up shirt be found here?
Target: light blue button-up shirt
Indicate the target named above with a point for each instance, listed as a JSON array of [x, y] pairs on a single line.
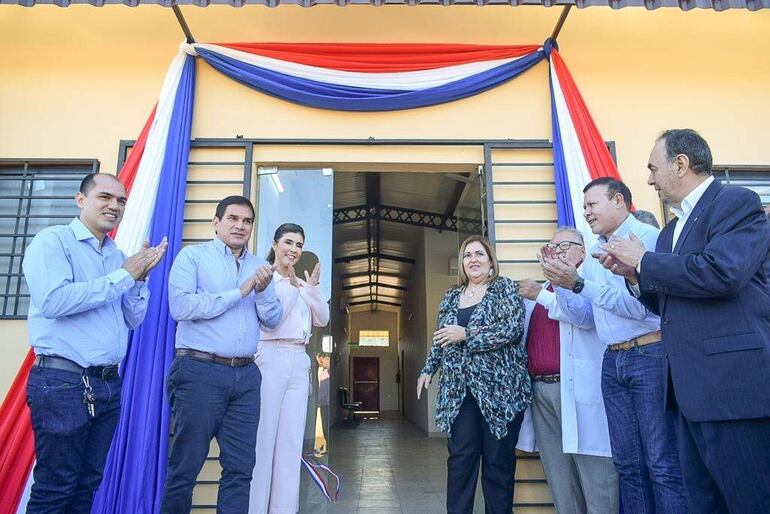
[[618, 316], [205, 298], [83, 302]]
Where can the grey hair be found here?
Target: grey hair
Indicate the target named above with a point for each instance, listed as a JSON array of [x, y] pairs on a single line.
[[690, 143], [646, 217], [571, 230]]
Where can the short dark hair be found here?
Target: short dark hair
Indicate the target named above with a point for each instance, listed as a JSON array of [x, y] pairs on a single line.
[[690, 143], [613, 187], [286, 228], [89, 181], [233, 200]]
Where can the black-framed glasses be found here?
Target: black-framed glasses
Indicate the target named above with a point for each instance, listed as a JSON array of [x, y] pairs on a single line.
[[563, 245]]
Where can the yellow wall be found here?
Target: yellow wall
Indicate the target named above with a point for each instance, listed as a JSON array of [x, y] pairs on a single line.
[[75, 81]]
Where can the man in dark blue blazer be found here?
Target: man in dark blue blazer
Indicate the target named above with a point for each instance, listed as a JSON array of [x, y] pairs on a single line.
[[709, 280]]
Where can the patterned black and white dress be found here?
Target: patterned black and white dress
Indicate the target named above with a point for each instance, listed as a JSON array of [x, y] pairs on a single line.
[[491, 363]]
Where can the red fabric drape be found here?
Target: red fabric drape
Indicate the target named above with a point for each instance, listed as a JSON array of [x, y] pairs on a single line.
[[17, 445], [381, 58], [598, 157]]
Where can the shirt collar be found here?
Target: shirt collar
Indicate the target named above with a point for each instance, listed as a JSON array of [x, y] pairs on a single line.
[[82, 233], [691, 200], [226, 250]]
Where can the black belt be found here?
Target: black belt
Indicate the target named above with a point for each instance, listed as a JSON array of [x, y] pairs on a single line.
[[60, 363], [235, 362], [547, 379]]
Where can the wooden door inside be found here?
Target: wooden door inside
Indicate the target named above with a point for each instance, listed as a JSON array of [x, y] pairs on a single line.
[[366, 383]]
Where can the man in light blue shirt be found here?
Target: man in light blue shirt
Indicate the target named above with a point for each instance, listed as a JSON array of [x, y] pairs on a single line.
[[641, 431], [220, 294], [84, 298]]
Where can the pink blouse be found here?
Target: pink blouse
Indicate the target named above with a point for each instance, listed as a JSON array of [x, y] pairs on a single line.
[[303, 309]]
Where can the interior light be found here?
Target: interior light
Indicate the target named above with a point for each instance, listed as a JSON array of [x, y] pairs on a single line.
[[277, 182]]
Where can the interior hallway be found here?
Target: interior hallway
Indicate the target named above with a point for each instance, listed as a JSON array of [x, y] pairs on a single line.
[[388, 466]]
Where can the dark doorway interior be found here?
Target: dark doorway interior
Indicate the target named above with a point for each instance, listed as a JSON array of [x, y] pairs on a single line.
[[366, 383]]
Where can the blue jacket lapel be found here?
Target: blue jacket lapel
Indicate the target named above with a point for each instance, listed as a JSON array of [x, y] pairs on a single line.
[[666, 237]]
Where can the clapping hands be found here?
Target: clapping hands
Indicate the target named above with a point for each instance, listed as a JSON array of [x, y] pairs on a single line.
[[142, 262], [556, 268], [258, 281]]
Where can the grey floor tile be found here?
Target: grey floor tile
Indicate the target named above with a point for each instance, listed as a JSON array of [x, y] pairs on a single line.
[[386, 466]]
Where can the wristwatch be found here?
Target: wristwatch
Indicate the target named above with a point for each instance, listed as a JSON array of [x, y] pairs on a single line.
[[578, 286]]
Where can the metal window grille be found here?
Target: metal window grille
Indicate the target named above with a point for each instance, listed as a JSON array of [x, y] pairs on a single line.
[[34, 194], [754, 177]]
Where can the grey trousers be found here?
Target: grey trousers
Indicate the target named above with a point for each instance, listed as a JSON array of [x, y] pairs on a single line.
[[579, 483]]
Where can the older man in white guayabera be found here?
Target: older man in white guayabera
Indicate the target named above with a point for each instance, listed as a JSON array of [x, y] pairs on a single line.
[[566, 422]]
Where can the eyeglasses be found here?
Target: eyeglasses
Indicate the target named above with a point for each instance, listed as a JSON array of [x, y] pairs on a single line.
[[563, 246]]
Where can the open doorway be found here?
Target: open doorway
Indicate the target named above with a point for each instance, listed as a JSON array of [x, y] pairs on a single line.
[[396, 237], [428, 203]]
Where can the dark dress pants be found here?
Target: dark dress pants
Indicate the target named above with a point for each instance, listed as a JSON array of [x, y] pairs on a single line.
[[471, 441], [70, 446], [726, 464], [212, 400]]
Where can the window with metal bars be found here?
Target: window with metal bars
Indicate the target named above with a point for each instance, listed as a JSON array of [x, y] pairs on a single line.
[[754, 177], [34, 194]]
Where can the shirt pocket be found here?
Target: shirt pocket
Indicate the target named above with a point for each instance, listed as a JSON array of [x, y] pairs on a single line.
[[587, 381]]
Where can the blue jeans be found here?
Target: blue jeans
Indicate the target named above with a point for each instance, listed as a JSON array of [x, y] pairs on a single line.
[[212, 400], [470, 442], [644, 447], [70, 446]]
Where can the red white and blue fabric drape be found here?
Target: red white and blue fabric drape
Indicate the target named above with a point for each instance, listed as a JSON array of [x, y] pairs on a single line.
[[348, 77], [366, 77], [136, 464], [579, 152], [155, 176]]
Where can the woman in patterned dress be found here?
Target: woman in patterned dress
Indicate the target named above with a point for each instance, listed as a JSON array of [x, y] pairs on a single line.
[[484, 387]]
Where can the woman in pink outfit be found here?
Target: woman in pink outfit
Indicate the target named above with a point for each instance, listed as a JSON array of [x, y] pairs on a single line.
[[285, 367]]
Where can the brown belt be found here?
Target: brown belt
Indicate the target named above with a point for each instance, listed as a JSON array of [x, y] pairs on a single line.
[[652, 337], [547, 379], [235, 362]]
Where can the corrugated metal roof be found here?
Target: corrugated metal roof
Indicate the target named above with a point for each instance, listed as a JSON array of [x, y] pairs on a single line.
[[686, 5]]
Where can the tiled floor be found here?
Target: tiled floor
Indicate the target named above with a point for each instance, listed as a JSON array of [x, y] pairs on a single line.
[[386, 466]]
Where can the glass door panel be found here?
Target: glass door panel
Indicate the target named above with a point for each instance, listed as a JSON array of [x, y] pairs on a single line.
[[304, 197]]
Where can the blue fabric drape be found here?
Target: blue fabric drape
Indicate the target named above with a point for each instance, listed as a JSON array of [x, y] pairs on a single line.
[[565, 215], [136, 465], [350, 98]]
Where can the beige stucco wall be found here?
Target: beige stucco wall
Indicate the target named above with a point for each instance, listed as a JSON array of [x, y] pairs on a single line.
[[75, 81]]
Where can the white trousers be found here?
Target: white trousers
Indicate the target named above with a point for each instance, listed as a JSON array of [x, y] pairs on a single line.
[[283, 410]]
